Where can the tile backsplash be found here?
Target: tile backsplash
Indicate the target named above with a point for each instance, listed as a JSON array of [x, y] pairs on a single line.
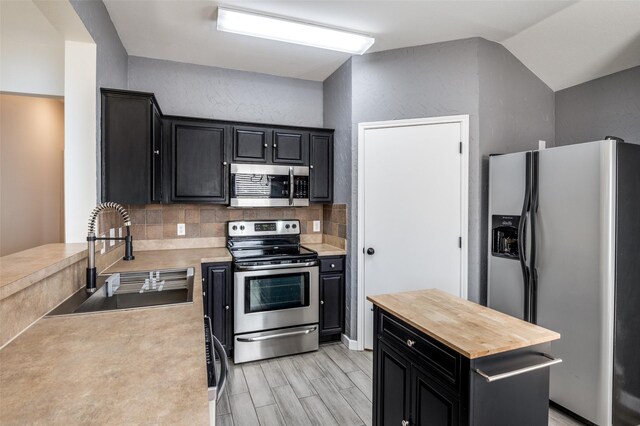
[[334, 224], [205, 224]]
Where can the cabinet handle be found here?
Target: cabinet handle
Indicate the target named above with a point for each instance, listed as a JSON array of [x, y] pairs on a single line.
[[274, 145], [410, 343], [322, 302], [311, 166], [550, 361], [224, 163], [405, 423], [226, 307], [156, 152], [333, 265], [266, 145]]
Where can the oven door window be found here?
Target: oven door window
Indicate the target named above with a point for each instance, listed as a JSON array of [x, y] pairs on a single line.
[[276, 292]]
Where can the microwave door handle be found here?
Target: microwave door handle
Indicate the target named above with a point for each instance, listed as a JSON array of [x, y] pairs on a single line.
[[290, 186]]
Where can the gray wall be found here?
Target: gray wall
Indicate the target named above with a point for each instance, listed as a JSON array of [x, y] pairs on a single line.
[[111, 61], [516, 111], [607, 106], [337, 90], [510, 109], [209, 92]]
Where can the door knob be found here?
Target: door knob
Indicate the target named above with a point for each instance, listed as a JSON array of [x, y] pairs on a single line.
[[370, 251]]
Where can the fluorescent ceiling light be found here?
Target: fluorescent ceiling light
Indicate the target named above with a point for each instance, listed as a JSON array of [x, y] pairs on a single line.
[[263, 26]]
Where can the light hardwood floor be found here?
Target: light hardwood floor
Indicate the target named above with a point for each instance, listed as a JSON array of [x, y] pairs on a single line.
[[329, 387]]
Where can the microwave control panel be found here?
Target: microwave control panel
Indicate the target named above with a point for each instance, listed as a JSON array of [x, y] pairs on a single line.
[[301, 187]]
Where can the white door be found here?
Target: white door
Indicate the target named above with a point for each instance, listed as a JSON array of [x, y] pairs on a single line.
[[413, 211]]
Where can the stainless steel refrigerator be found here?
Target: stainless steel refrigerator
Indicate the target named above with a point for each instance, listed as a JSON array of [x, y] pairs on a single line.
[[564, 253]]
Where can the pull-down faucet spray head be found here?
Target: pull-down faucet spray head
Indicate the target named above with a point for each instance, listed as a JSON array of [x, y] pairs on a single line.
[[91, 240]]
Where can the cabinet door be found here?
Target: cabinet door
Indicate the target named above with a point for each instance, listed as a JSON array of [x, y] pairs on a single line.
[[321, 168], [156, 157], [199, 170], [392, 380], [126, 147], [251, 144], [432, 404], [331, 304], [290, 147], [218, 303]]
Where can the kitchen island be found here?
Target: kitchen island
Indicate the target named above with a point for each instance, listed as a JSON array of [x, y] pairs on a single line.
[[141, 366], [442, 360]]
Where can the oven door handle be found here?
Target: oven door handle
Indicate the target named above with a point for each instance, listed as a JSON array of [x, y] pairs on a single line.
[[277, 336], [290, 186], [268, 267]]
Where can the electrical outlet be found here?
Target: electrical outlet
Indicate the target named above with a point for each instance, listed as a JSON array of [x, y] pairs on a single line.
[[542, 145], [112, 234], [316, 226], [181, 229], [120, 232], [102, 245]]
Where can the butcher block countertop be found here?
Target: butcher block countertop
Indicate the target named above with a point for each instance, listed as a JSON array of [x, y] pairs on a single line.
[[470, 329], [143, 366], [324, 249]]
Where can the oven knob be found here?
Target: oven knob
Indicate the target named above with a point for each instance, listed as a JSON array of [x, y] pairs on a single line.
[[242, 227], [294, 226], [234, 227], [287, 226]]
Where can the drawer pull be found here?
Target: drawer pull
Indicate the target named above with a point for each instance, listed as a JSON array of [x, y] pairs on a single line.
[[405, 423], [322, 302], [410, 343], [333, 265], [488, 378]]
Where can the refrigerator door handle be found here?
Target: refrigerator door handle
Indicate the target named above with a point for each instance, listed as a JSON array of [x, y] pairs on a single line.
[[534, 247], [522, 239]]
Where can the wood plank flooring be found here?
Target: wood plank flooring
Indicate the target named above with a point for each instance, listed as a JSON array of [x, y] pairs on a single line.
[[325, 388]]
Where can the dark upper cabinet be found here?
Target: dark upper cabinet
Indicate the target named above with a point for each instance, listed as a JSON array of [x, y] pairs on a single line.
[[251, 144], [321, 167], [290, 147], [131, 128], [392, 401], [218, 301], [198, 165]]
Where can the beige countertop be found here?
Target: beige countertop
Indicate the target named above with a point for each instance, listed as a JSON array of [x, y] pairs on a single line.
[[20, 270], [326, 249], [144, 366], [470, 329]]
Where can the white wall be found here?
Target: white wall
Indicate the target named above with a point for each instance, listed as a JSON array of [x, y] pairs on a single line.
[[80, 138], [31, 51]]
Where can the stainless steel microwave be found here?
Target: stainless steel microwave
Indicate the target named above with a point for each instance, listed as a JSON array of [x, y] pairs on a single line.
[[262, 185]]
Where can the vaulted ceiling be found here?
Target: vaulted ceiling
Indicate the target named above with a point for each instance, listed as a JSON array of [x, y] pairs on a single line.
[[563, 42]]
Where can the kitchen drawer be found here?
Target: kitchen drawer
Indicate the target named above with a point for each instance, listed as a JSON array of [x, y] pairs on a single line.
[[331, 264], [444, 362]]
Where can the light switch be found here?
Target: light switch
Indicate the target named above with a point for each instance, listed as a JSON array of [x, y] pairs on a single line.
[[316, 226], [181, 229]]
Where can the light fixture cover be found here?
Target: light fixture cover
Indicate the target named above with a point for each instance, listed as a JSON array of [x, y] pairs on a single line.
[[281, 29]]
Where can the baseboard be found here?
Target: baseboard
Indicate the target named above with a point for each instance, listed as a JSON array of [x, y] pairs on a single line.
[[351, 344]]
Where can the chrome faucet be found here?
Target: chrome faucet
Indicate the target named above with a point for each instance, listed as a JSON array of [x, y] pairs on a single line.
[[91, 240]]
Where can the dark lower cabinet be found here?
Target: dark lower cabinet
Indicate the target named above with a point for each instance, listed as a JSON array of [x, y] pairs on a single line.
[[199, 170], [331, 298], [418, 381], [131, 129], [217, 292], [321, 167]]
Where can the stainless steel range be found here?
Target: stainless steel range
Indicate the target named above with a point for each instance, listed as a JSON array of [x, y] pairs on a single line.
[[275, 290]]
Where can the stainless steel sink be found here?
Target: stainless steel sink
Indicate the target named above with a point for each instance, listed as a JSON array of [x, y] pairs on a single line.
[[132, 290]]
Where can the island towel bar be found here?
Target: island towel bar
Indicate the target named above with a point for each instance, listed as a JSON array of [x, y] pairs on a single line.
[[488, 378]]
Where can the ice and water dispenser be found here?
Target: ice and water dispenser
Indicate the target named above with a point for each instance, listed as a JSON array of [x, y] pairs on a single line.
[[504, 236]]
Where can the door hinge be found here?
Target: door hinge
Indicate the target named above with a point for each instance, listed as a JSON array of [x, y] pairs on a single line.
[[459, 242], [460, 147]]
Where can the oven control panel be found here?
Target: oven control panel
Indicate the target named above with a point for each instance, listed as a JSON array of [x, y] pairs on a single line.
[[250, 228]]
